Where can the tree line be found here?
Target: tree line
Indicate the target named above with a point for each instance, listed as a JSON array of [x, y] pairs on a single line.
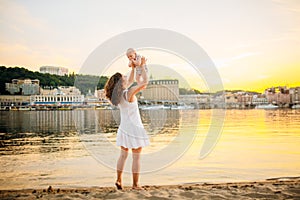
[[83, 82]]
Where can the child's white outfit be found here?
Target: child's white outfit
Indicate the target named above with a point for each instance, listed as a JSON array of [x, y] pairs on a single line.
[[139, 68], [131, 132]]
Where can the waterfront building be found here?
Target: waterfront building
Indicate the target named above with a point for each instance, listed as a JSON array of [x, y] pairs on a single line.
[[91, 99], [102, 101], [60, 71], [259, 99], [278, 96], [69, 90], [23, 87], [56, 100], [161, 91], [61, 90], [217, 100], [295, 95], [244, 99], [197, 100], [64, 95], [231, 100], [14, 100], [100, 94]]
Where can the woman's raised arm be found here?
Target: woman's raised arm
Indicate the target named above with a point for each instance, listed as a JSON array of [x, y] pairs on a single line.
[[131, 77]]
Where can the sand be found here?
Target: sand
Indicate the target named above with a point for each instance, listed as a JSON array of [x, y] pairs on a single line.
[[278, 188]]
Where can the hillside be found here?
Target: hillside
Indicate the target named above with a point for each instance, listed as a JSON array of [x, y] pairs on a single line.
[[83, 82]]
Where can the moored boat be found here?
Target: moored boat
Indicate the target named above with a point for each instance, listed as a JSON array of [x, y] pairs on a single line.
[[296, 106], [266, 106], [152, 107]]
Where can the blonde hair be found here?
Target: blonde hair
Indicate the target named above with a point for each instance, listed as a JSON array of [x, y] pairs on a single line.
[[130, 50]]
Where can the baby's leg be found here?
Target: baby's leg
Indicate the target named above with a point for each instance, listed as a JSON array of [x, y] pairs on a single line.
[[138, 75], [139, 79]]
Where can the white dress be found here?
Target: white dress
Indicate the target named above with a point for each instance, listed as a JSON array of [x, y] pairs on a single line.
[[131, 132]]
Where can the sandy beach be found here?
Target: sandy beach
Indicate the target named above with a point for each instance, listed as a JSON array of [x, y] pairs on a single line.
[[277, 188]]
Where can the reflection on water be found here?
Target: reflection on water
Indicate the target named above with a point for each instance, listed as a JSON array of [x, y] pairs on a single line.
[[27, 132], [39, 148], [35, 132]]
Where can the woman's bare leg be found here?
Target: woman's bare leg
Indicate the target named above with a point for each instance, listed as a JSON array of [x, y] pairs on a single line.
[[136, 167], [120, 166]]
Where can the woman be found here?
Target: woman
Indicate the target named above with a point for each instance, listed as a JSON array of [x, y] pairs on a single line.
[[131, 133]]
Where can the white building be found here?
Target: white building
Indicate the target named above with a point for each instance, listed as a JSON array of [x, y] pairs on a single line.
[[65, 95], [23, 87], [61, 71], [61, 90], [259, 100], [56, 99]]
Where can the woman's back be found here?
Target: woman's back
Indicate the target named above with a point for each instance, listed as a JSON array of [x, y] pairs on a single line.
[[131, 132]]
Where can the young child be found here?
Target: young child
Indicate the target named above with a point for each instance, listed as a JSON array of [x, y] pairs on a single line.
[[135, 60]]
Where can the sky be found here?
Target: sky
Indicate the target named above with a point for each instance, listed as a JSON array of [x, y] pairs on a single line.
[[254, 44]]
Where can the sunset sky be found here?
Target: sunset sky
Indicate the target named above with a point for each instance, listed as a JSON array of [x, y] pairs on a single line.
[[254, 44]]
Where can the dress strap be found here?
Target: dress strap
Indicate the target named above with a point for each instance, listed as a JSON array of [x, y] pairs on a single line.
[[125, 94]]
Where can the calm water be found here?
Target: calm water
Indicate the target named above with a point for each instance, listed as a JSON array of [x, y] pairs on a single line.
[[77, 148]]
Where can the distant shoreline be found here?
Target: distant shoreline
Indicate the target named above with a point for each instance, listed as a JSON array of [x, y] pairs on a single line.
[[22, 109]]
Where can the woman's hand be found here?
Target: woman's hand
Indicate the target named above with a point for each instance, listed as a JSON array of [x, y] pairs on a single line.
[[143, 61], [130, 64]]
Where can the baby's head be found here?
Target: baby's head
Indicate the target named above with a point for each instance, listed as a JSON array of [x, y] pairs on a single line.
[[131, 54]]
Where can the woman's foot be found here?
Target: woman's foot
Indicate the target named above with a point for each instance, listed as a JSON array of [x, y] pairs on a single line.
[[137, 188], [119, 185]]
